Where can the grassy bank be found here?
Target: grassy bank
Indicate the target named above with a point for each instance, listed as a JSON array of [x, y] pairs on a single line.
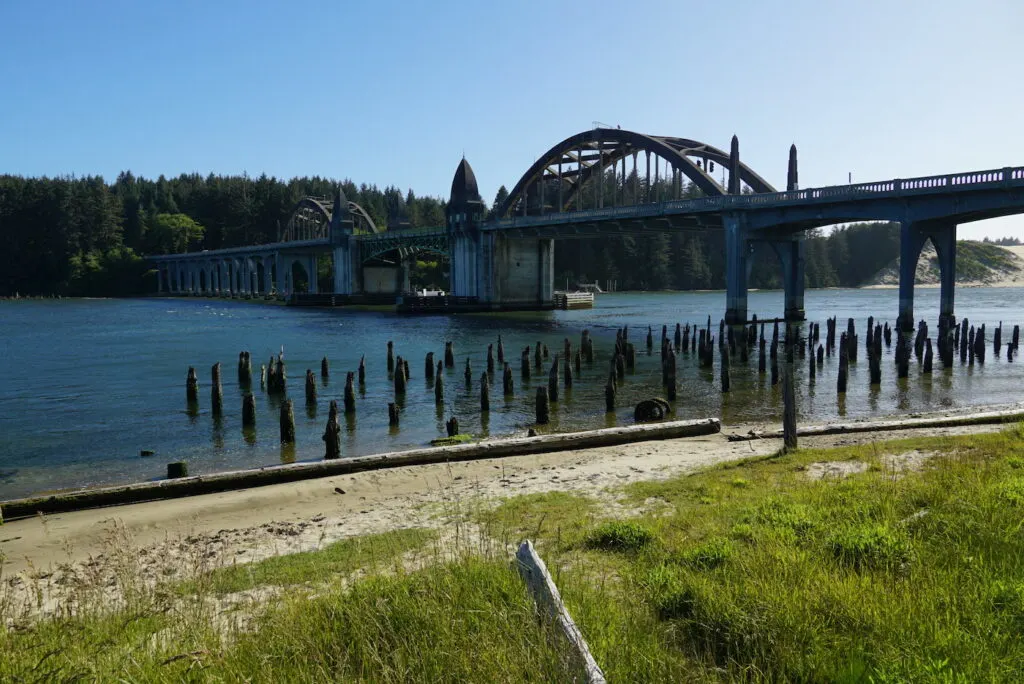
[[886, 562], [909, 568]]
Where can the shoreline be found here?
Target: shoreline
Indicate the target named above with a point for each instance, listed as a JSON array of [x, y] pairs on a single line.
[[87, 498], [254, 523]]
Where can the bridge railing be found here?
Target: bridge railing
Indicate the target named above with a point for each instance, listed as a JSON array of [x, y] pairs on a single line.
[[922, 185]]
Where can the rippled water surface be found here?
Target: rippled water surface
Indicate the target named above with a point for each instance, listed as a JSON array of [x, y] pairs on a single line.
[[87, 384]]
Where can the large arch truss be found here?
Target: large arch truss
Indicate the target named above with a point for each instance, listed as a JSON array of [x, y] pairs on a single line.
[[612, 167]]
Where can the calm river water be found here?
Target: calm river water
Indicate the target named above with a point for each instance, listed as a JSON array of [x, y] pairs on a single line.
[[87, 384]]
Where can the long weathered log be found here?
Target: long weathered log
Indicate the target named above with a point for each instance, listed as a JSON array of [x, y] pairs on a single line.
[[240, 479]]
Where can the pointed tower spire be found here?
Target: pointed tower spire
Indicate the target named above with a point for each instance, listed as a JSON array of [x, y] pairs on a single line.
[[734, 166], [792, 183]]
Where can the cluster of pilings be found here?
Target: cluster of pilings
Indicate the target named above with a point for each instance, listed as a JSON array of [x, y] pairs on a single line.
[[735, 345]]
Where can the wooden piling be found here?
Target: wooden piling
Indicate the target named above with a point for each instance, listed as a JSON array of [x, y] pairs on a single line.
[[501, 351], [524, 361], [325, 368], [485, 394], [812, 369], [507, 385], [620, 366], [287, 422], [263, 377], [761, 364], [979, 343], [650, 339], [244, 369], [216, 393], [449, 354], [439, 389], [405, 368], [926, 367], [577, 362], [723, 370], [902, 355], [844, 361], [670, 376], [875, 364], [609, 394], [393, 415], [678, 337], [774, 357], [391, 357], [310, 387], [428, 367], [553, 380], [249, 411], [538, 356], [362, 371], [452, 426], [192, 386], [567, 374], [821, 356], [332, 434], [788, 408], [997, 340], [399, 377], [630, 356], [468, 372], [490, 359], [350, 393], [176, 470], [963, 341], [541, 408]]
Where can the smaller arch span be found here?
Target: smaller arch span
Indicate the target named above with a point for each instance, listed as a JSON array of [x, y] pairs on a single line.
[[310, 219]]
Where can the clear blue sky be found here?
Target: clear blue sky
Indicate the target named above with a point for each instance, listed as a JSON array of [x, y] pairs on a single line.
[[392, 92]]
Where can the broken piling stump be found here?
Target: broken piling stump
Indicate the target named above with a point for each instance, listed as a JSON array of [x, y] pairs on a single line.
[[216, 394], [332, 434], [287, 422]]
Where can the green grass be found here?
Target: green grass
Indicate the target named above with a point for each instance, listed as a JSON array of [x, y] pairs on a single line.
[[469, 620], [372, 551], [883, 576], [749, 571]]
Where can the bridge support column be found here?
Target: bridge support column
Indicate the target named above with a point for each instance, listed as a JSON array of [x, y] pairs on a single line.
[[314, 286], [736, 253], [346, 266], [913, 235], [791, 256], [944, 239], [912, 238]]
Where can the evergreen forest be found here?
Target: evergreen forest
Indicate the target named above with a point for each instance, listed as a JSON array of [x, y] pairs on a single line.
[[85, 237]]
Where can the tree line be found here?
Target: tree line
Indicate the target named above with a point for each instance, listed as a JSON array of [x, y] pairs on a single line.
[[83, 236]]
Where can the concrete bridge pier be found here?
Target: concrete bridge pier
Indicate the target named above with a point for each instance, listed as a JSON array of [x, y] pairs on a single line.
[[913, 235], [791, 255], [737, 253]]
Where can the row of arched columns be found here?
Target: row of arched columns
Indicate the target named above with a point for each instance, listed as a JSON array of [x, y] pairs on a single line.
[[254, 275]]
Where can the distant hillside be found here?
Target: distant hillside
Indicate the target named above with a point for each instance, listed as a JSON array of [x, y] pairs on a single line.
[[977, 263]]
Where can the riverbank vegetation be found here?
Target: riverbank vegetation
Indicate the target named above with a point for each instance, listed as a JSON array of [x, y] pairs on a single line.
[[883, 562], [82, 236]]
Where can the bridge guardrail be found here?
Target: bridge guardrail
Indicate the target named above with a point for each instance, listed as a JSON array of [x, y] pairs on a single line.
[[920, 185]]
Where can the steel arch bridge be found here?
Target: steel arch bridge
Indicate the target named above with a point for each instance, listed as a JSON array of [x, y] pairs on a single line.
[[310, 219], [573, 173]]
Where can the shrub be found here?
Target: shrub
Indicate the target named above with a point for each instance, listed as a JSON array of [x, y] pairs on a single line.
[[864, 546], [619, 535], [708, 555]]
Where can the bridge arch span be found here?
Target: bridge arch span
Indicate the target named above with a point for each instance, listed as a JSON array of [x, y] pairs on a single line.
[[310, 219], [579, 158]]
